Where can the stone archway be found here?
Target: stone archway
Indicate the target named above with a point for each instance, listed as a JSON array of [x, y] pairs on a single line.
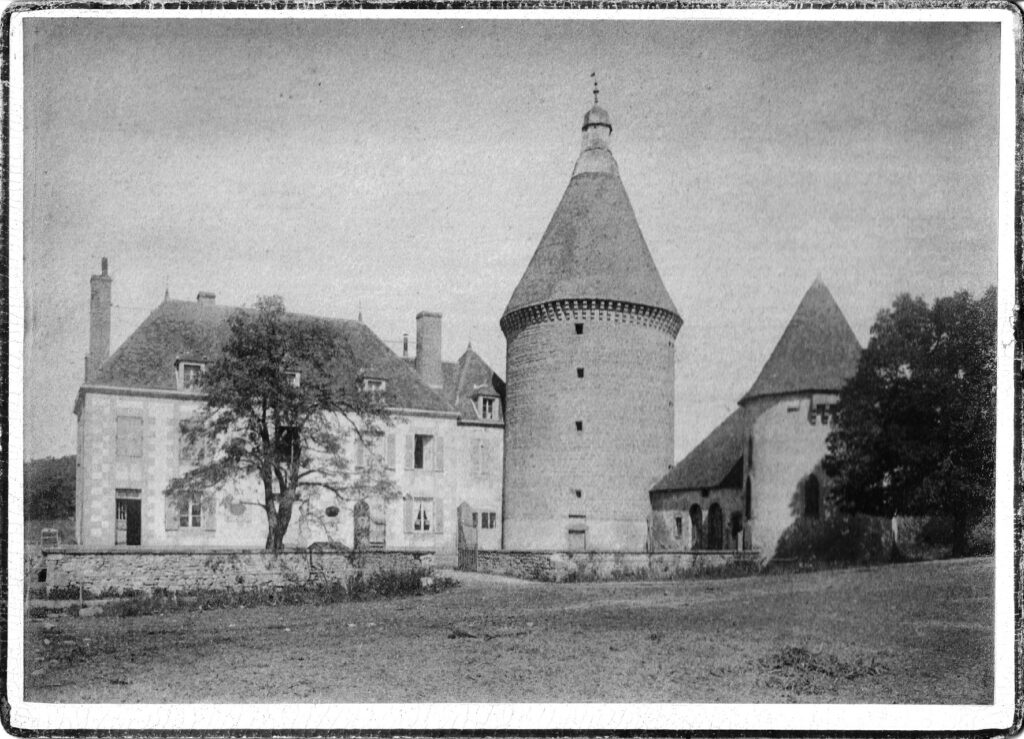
[[696, 527]]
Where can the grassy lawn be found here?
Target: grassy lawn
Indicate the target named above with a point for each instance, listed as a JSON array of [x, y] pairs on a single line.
[[913, 633]]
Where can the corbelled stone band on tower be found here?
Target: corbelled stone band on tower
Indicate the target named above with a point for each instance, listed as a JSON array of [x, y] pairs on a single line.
[[590, 333]]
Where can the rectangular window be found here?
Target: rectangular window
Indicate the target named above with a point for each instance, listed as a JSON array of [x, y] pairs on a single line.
[[579, 425], [487, 520], [579, 328], [374, 385], [423, 452], [190, 512], [487, 406], [679, 526], [579, 372], [129, 436], [421, 510], [191, 375], [475, 519]]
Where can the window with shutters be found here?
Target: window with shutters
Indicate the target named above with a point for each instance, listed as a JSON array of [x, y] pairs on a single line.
[[424, 452], [129, 436], [421, 514], [190, 512]]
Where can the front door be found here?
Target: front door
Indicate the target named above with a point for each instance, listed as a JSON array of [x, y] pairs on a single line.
[[128, 522]]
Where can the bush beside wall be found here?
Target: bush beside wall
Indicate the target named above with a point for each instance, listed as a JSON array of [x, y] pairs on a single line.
[[851, 539]]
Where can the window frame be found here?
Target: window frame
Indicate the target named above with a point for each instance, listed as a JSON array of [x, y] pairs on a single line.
[[190, 512], [488, 520], [488, 409], [423, 451], [374, 385], [422, 515]]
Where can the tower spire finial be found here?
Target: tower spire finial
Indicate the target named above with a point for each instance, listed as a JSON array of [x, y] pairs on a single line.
[[596, 91]]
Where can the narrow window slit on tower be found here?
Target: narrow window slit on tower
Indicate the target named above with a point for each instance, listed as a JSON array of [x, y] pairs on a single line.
[[579, 425], [579, 328], [579, 372]]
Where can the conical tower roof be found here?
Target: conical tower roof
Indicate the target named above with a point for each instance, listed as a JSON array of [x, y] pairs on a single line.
[[818, 350], [593, 247]]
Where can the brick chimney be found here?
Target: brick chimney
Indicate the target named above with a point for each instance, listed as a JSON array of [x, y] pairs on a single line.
[[99, 321], [428, 349], [205, 298]]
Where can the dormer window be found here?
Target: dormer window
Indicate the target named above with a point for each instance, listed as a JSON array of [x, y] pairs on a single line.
[[488, 408], [294, 378], [190, 375], [374, 385]]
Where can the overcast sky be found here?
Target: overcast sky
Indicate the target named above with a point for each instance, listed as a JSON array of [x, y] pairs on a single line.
[[399, 166]]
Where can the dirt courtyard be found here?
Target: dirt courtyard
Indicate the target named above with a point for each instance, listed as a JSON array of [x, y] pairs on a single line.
[[913, 633]]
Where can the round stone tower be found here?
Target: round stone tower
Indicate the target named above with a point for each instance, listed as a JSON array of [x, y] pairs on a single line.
[[590, 370]]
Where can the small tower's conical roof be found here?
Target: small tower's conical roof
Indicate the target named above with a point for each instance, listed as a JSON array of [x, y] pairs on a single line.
[[593, 247], [818, 350]]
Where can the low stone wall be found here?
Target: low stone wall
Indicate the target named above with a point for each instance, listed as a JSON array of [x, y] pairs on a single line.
[[118, 570], [562, 566]]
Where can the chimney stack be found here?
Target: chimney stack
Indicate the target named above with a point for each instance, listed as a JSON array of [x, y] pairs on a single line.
[[428, 349], [205, 298], [99, 321]]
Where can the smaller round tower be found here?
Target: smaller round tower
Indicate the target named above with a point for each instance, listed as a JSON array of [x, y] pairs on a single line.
[[791, 406]]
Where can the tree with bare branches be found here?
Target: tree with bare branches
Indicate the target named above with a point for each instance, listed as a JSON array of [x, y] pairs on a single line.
[[281, 403]]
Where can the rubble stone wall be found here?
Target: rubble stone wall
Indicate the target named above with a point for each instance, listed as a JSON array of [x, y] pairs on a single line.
[[563, 566], [109, 570]]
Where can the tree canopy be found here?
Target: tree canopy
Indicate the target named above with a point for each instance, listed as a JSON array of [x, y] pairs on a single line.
[[50, 488], [281, 402], [914, 431]]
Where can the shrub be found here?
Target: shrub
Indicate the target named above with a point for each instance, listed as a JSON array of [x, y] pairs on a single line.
[[841, 538], [981, 538]]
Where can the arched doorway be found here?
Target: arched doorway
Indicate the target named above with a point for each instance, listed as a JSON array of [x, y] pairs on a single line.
[[696, 527], [736, 530], [812, 497], [716, 526]]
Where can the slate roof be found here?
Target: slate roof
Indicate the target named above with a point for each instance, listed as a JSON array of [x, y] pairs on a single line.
[[187, 330], [713, 462], [465, 381], [818, 350], [593, 247]]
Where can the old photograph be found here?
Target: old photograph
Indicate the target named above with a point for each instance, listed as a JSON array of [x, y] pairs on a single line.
[[479, 370]]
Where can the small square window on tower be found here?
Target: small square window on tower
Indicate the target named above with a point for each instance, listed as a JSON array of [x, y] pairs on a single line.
[[579, 328], [579, 425]]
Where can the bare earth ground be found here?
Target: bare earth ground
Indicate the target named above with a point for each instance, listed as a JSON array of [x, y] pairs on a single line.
[[913, 633]]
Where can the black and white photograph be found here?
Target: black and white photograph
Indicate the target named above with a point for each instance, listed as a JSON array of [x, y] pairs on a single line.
[[494, 370]]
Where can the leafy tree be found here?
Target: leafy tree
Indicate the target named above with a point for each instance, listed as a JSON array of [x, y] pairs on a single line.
[[915, 428], [50, 488], [281, 401]]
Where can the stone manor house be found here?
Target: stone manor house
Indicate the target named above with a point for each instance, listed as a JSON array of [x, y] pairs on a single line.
[[573, 453]]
